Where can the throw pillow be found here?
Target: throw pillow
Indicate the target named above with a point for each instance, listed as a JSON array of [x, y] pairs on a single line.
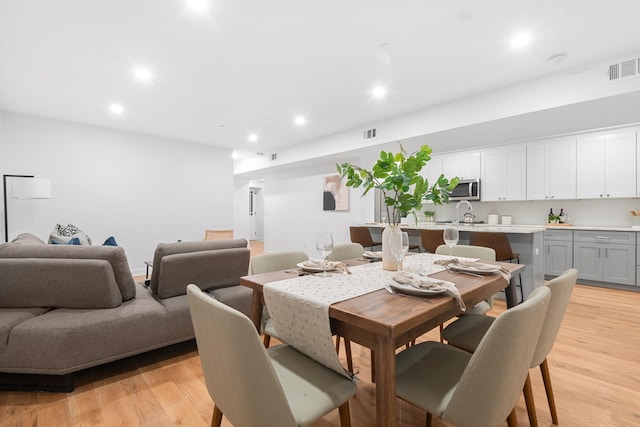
[[111, 241], [72, 241], [62, 234]]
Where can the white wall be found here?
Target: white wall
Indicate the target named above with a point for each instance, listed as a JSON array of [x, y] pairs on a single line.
[[140, 189], [293, 210]]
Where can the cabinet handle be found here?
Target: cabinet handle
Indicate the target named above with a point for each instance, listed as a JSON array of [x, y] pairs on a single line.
[[602, 237], [606, 252], [608, 195], [598, 252]]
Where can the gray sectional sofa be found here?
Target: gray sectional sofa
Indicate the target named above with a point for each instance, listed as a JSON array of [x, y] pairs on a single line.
[[66, 308]]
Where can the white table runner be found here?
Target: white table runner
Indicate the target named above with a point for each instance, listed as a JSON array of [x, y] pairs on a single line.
[[299, 307]]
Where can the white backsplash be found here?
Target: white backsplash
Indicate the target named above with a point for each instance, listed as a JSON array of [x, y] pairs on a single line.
[[610, 212]]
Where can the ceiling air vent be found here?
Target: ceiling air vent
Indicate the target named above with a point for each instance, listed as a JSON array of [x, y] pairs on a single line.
[[369, 134], [624, 69]]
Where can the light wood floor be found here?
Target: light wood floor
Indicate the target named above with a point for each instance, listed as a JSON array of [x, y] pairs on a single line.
[[595, 369]]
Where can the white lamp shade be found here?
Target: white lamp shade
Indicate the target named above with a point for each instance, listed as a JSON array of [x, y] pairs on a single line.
[[31, 188]]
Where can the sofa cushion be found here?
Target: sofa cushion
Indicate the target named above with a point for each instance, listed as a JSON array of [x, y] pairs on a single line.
[[69, 283], [10, 317], [115, 255], [175, 265], [83, 338], [206, 269]]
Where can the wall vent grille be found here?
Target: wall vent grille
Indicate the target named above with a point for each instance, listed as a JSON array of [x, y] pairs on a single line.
[[369, 134], [624, 70]]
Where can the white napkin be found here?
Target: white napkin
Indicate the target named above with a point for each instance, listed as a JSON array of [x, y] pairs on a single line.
[[331, 265], [424, 282], [476, 265], [371, 254]]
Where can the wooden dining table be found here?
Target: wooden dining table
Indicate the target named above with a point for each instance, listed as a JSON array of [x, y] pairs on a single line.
[[384, 322]]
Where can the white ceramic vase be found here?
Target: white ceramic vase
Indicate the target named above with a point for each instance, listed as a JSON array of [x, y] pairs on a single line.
[[389, 261]]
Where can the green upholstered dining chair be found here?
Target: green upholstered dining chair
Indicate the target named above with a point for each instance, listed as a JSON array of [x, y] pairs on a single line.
[[479, 389], [253, 386], [344, 251], [466, 333], [276, 261]]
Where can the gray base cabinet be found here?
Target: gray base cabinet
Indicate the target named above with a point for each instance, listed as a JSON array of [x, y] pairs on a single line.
[[558, 251], [605, 256]]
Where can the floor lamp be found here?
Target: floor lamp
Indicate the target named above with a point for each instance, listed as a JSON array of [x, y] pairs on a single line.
[[31, 188]]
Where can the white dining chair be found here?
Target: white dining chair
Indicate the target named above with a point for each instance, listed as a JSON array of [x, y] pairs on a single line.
[[253, 386], [479, 389], [467, 332], [343, 251]]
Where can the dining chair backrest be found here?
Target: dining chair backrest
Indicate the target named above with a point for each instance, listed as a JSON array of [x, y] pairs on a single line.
[[498, 241], [431, 239], [494, 376], [275, 261], [218, 234], [237, 369], [362, 235], [344, 251], [468, 251], [561, 288]]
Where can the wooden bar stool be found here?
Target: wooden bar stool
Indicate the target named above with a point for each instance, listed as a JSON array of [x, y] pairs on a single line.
[[362, 235], [500, 243], [431, 239]]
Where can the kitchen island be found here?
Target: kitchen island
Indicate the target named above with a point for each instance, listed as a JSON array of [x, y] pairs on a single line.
[[527, 241]]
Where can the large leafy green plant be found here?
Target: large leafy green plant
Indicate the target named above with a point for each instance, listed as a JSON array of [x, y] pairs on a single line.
[[398, 176]]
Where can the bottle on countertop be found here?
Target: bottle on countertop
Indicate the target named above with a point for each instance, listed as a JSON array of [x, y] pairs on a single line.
[[562, 216], [551, 216]]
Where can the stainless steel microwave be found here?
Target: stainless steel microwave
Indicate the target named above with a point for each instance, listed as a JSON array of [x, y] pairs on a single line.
[[467, 189]]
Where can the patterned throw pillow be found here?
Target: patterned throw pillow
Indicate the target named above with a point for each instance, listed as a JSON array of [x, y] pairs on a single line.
[[63, 234]]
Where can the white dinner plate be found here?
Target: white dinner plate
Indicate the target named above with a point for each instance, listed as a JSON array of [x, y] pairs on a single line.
[[490, 269], [313, 269], [372, 255], [412, 290]]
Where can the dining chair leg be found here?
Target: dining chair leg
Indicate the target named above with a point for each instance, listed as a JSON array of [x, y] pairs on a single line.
[[345, 417], [512, 419], [546, 379], [266, 340], [216, 420], [531, 406], [429, 419], [347, 350]]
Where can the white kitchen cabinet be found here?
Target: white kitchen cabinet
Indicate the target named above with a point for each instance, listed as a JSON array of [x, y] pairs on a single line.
[[464, 165], [503, 173], [551, 169], [606, 165], [605, 256], [558, 251]]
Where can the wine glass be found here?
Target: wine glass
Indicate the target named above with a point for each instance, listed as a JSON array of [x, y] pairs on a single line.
[[383, 217], [324, 245], [451, 237], [399, 244]]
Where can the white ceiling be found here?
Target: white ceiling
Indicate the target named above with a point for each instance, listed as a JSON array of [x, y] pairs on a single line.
[[251, 66]]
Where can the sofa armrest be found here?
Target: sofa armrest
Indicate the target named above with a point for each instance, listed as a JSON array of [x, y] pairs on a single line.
[[59, 283]]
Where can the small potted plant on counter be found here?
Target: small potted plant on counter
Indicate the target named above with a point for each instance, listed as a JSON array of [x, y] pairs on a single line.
[[403, 188], [430, 216]]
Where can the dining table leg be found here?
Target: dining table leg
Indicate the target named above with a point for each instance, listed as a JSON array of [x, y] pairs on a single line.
[[256, 309], [385, 368]]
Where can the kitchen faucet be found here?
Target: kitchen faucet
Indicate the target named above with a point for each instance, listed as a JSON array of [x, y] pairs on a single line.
[[457, 220]]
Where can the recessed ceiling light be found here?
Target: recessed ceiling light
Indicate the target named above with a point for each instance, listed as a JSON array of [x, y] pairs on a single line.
[[253, 137], [116, 109], [143, 74], [379, 92], [198, 5], [300, 120], [520, 40]]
